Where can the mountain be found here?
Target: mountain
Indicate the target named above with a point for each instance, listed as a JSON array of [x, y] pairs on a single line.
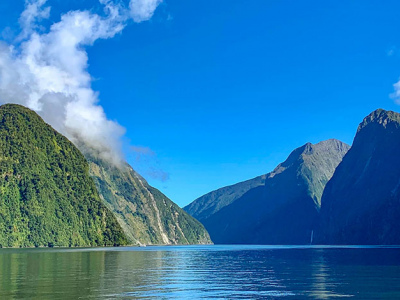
[[146, 215], [47, 197], [361, 203], [209, 204], [280, 207]]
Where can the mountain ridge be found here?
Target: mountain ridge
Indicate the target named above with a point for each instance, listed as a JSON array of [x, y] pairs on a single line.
[[360, 204], [294, 186], [146, 215]]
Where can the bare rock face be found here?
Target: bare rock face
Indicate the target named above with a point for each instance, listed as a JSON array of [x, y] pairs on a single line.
[[146, 215], [280, 207], [361, 203]]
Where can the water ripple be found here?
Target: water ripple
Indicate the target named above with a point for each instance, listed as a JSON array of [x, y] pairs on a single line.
[[203, 272]]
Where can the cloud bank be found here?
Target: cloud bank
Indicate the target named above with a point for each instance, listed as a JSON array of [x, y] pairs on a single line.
[[47, 71]]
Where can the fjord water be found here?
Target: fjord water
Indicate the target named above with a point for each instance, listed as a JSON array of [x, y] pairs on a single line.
[[181, 272]]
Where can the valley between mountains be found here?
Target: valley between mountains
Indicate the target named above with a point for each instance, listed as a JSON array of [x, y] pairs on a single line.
[[55, 193], [327, 193]]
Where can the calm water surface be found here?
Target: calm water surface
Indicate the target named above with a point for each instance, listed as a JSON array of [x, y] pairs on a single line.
[[233, 272]]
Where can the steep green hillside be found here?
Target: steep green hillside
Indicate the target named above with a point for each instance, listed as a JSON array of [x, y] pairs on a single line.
[[282, 210], [146, 215], [361, 203], [47, 197]]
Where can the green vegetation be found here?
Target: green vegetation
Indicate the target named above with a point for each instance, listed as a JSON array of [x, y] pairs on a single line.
[[47, 197], [145, 214]]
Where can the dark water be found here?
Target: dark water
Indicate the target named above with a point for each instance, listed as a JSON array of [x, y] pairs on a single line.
[[233, 272]]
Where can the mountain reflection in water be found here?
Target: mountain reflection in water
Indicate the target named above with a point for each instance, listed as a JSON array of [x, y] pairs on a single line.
[[181, 272]]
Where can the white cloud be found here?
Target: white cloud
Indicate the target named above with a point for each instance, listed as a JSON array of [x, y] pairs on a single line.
[[142, 10], [396, 94], [34, 12], [48, 71]]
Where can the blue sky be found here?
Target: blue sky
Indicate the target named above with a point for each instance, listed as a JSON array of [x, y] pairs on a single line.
[[222, 91]]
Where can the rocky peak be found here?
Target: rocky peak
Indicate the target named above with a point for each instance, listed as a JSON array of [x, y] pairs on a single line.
[[309, 153], [381, 117]]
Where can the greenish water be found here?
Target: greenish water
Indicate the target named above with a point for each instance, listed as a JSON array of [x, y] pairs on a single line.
[[241, 272]]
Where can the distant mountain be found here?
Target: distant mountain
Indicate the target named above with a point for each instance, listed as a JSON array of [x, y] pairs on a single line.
[[146, 215], [209, 204], [280, 207], [47, 197], [361, 203]]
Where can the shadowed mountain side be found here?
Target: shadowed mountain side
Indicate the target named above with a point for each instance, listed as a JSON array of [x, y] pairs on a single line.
[[146, 215], [283, 210], [210, 203], [361, 203]]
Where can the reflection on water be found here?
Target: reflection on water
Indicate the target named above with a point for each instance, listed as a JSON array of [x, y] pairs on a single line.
[[200, 272]]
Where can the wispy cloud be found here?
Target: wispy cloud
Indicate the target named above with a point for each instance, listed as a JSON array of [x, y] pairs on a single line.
[[34, 13], [142, 10], [146, 163], [391, 51], [47, 70], [396, 94]]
